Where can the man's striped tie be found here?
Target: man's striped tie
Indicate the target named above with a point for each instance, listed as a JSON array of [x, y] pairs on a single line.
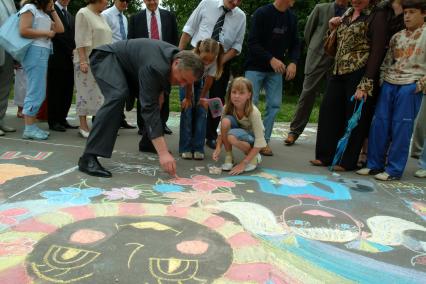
[[219, 24]]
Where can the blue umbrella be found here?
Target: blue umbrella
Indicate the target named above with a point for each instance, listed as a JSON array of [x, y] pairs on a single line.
[[343, 142]]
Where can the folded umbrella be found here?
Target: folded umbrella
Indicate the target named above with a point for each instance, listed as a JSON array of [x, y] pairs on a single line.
[[343, 142]]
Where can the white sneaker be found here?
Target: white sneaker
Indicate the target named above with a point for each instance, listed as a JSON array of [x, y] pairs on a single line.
[[1, 133], [198, 156], [253, 163], [364, 171], [421, 173], [5, 128], [228, 164], [385, 177], [186, 155]]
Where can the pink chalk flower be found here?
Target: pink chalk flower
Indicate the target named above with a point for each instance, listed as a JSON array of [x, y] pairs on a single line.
[[21, 246], [122, 193], [7, 217], [202, 198], [203, 183]]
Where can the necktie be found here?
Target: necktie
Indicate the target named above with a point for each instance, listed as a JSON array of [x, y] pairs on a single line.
[[154, 27], [122, 30], [66, 22], [219, 24]]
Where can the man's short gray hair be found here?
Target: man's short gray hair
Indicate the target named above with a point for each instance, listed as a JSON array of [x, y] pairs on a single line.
[[188, 60]]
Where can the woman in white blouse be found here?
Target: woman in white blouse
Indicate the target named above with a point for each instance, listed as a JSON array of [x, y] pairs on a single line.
[[91, 31], [36, 24]]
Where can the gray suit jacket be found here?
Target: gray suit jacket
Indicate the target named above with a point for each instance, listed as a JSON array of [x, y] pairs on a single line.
[[147, 65], [315, 31]]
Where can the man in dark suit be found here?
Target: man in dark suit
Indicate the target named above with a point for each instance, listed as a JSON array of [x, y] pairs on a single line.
[[60, 75], [160, 24], [145, 67], [318, 64]]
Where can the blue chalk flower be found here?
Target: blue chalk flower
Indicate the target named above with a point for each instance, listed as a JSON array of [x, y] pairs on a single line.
[[71, 195], [165, 187]]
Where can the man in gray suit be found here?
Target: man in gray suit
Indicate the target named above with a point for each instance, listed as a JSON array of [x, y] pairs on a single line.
[[7, 8], [144, 66], [317, 63]]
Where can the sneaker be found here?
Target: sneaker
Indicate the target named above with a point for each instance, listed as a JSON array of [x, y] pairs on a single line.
[[385, 177], [421, 173], [41, 130], [253, 163], [186, 155], [198, 156], [34, 134], [1, 133], [228, 164], [266, 151], [368, 172], [6, 128]]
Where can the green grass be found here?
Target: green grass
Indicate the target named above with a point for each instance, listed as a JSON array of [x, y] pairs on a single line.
[[288, 107]]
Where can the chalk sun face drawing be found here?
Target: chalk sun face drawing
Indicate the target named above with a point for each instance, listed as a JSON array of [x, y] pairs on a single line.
[[154, 249]]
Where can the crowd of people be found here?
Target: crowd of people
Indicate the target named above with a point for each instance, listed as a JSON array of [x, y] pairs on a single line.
[[378, 58]]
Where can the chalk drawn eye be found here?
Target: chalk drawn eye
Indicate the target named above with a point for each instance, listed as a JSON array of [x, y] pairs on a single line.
[[61, 263], [173, 269]]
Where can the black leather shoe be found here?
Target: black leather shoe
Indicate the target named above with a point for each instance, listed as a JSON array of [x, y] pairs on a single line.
[[90, 165], [167, 130], [68, 126], [57, 127], [211, 143], [125, 125]]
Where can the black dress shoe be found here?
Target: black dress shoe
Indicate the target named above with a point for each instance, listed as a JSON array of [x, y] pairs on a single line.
[[211, 143], [167, 130], [68, 126], [90, 165], [56, 126], [125, 125]]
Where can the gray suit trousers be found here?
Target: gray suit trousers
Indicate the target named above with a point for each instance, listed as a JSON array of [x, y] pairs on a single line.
[[113, 84], [311, 85], [419, 134], [6, 79]]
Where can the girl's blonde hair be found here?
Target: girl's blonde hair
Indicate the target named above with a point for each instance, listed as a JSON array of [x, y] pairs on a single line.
[[239, 83], [211, 46]]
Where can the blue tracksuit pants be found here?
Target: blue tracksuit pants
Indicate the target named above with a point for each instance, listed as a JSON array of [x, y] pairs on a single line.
[[392, 127]]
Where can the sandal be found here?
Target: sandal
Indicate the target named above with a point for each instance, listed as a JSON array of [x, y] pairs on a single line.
[[317, 163], [338, 168]]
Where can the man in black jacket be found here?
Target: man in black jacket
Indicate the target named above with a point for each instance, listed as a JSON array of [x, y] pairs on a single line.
[[148, 68], [162, 26], [60, 74]]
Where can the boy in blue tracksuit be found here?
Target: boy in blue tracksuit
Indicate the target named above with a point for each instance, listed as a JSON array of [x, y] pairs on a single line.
[[404, 83]]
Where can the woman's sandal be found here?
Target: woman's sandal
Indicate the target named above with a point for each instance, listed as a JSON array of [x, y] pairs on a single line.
[[317, 163]]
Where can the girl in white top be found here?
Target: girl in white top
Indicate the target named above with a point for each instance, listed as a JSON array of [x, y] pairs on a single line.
[[241, 126], [36, 24], [91, 31]]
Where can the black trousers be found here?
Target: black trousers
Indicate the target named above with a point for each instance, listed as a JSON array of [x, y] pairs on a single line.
[[112, 81], [336, 109], [60, 88], [218, 90]]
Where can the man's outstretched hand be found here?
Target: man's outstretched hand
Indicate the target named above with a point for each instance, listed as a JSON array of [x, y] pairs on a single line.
[[167, 162]]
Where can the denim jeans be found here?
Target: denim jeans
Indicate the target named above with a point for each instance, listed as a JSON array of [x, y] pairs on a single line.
[[193, 122], [273, 85], [239, 133], [35, 66]]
